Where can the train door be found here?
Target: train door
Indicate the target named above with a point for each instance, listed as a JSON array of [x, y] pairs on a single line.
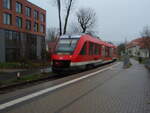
[[100, 51], [96, 52], [103, 52], [114, 53], [111, 53], [83, 53], [91, 51], [107, 53]]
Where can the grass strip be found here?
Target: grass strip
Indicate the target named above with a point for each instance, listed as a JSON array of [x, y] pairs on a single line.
[[24, 79]]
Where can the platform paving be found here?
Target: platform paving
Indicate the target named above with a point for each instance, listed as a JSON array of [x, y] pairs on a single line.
[[116, 90]]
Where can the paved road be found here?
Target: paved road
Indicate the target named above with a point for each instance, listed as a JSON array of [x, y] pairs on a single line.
[[116, 90]]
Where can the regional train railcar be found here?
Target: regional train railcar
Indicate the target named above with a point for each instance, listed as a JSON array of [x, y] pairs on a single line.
[[109, 52], [81, 51]]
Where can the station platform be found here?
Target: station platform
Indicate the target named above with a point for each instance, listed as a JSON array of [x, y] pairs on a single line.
[[115, 90]]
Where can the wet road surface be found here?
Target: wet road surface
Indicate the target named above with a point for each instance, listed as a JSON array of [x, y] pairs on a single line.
[[115, 90]]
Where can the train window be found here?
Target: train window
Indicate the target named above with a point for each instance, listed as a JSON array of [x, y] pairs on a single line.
[[106, 51], [103, 51], [66, 45], [83, 50], [91, 48], [110, 52], [96, 51], [100, 50]]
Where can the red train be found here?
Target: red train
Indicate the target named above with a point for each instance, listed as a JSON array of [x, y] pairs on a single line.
[[81, 51]]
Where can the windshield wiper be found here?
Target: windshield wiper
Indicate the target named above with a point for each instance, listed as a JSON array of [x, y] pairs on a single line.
[[70, 43]]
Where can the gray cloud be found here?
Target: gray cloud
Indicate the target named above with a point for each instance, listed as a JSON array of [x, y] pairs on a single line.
[[117, 19]]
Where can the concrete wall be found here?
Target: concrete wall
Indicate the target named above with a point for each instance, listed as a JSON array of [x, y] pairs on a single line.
[[2, 47]]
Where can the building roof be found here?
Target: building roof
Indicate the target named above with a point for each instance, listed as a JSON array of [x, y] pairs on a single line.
[[137, 42], [35, 5]]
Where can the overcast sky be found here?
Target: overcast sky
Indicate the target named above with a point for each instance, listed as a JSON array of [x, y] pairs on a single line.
[[117, 19]]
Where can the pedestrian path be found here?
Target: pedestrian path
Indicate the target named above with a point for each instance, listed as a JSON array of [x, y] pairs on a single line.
[[128, 92]]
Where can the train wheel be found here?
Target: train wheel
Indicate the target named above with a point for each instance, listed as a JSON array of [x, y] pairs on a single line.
[[89, 66], [54, 70]]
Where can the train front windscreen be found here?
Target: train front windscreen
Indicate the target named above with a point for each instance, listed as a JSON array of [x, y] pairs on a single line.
[[66, 46]]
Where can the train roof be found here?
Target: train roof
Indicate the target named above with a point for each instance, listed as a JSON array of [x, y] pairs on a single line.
[[87, 37], [78, 36], [97, 40]]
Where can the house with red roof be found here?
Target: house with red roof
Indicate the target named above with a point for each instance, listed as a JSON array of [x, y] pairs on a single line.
[[137, 48]]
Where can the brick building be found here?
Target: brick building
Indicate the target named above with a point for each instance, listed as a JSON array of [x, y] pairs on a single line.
[[22, 30]]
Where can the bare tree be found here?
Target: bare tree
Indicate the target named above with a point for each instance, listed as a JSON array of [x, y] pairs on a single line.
[[52, 34], [121, 48], [69, 5], [93, 32], [146, 38], [86, 18], [74, 28], [59, 14], [58, 4]]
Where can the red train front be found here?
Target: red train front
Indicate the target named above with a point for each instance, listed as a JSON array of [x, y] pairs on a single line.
[[80, 52]]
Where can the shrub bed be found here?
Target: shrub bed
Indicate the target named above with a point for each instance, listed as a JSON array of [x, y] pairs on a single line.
[[27, 65], [147, 63], [24, 79], [10, 65]]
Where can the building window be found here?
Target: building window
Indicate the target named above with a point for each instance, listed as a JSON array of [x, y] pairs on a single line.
[[42, 17], [28, 24], [35, 27], [12, 45], [7, 18], [19, 22], [42, 28], [28, 11], [36, 14], [7, 4], [18, 7]]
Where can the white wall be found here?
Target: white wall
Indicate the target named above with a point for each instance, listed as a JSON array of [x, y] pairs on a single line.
[[138, 52]]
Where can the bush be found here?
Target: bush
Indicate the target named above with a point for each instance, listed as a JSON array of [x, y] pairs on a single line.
[[147, 63], [25, 63], [0, 83], [10, 65], [126, 62]]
